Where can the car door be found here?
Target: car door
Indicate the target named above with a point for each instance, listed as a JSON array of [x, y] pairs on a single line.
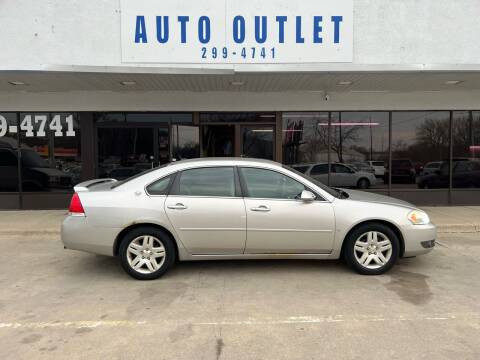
[[207, 211], [277, 221], [320, 172], [343, 175]]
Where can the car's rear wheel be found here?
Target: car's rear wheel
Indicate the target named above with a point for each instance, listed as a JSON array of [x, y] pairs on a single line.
[[363, 184], [146, 253], [371, 249]]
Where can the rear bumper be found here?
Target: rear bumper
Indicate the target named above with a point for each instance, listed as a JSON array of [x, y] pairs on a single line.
[[78, 234], [419, 239]]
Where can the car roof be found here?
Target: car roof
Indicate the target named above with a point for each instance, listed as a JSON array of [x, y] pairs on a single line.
[[223, 160]]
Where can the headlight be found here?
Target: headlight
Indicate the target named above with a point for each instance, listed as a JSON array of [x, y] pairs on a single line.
[[418, 217]]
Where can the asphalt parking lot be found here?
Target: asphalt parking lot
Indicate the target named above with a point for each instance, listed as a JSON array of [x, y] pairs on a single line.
[[57, 303]]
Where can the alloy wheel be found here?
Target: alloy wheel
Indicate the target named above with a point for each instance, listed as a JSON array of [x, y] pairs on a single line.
[[146, 254], [373, 250]]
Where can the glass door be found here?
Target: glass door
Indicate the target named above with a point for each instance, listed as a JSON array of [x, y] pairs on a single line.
[[258, 141]]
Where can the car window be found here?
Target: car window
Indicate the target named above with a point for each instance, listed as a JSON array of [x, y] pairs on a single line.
[[302, 169], [319, 169], [160, 187], [341, 169], [269, 184], [212, 181], [7, 158], [462, 166]]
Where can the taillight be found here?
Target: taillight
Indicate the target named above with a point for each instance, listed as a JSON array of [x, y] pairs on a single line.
[[76, 207]]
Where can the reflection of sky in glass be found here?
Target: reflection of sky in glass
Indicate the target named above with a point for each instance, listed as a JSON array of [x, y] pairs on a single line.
[[365, 135], [405, 124]]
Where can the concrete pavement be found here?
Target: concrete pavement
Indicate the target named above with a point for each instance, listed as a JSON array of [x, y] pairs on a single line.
[[64, 304], [453, 219]]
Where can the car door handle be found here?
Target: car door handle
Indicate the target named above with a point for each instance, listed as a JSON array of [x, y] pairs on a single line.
[[177, 206], [262, 208]]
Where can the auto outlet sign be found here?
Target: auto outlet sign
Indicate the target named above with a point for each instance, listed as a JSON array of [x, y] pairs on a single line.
[[236, 31]]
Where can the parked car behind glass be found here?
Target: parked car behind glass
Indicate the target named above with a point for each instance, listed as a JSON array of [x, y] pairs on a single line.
[[466, 174], [341, 175]]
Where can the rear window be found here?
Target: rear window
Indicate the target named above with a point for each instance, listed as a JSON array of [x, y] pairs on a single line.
[[319, 169], [302, 169], [211, 181]]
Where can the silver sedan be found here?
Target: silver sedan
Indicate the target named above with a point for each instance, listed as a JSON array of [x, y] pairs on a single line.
[[227, 208]]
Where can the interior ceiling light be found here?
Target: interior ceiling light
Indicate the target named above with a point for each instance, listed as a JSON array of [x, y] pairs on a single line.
[[128, 83], [343, 83], [237, 83], [453, 82], [16, 83]]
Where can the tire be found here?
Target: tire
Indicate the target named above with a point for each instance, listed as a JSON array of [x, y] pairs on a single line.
[[141, 253], [373, 264], [363, 183]]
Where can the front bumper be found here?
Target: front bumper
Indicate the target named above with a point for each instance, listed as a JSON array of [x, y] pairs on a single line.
[[419, 239], [78, 234]]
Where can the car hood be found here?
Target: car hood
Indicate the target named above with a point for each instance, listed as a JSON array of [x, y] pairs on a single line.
[[376, 198], [50, 171]]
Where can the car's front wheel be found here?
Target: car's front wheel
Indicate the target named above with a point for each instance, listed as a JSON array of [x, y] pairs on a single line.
[[146, 253], [363, 184], [371, 249]]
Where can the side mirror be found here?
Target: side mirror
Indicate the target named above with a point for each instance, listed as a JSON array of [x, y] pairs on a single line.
[[307, 196]]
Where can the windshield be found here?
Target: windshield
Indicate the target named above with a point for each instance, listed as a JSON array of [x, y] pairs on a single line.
[[328, 189], [31, 159], [118, 183]]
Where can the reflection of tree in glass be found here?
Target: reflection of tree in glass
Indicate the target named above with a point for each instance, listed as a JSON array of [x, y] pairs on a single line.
[[431, 142]]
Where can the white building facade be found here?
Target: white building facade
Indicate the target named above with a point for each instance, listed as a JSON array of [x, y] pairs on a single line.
[[334, 88]]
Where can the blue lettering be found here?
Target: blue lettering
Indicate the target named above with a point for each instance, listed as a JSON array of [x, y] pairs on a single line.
[[260, 36], [204, 29], [299, 39], [317, 29], [336, 32], [183, 28], [140, 30], [239, 29], [281, 28], [162, 36]]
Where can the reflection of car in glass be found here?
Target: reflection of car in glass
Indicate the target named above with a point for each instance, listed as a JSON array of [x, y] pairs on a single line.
[[341, 175], [430, 167], [466, 174], [205, 209], [378, 166], [362, 166], [36, 174], [403, 171]]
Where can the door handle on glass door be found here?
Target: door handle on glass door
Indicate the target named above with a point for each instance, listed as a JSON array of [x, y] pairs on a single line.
[[262, 208], [178, 206]]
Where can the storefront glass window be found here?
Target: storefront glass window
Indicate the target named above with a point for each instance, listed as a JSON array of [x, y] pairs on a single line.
[[466, 149], [159, 117], [236, 117], [305, 139], [50, 151], [8, 152], [359, 144], [420, 149], [67, 148]]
